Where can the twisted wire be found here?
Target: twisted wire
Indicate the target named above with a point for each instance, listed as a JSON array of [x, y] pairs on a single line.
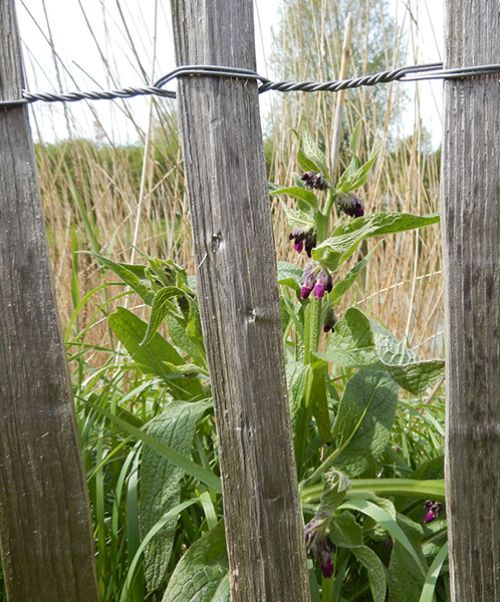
[[403, 74]]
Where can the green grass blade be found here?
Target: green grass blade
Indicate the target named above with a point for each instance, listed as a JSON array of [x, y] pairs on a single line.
[[433, 574]]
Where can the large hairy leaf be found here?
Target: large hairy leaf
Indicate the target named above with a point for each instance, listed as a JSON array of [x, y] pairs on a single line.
[[157, 357], [345, 239], [160, 482], [201, 575], [364, 419], [376, 571], [359, 342]]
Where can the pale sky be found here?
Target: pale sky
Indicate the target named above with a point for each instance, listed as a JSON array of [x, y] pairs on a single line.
[[82, 66]]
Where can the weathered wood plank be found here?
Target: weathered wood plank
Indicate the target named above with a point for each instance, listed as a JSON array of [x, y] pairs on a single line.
[[45, 533], [238, 296], [471, 228]]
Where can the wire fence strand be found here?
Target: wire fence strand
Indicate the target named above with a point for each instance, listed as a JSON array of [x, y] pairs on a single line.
[[413, 73]]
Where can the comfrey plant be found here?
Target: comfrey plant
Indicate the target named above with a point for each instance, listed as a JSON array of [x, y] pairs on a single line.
[[344, 384], [371, 484]]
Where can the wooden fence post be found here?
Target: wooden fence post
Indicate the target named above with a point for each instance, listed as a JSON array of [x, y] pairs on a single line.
[[238, 296], [471, 229], [45, 532]]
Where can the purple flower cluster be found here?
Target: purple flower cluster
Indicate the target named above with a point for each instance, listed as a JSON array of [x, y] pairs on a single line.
[[315, 280], [303, 239], [315, 180], [319, 545], [433, 509], [351, 205]]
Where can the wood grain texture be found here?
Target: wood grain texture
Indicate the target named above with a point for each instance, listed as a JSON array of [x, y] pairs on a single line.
[[471, 228], [234, 248], [45, 533]]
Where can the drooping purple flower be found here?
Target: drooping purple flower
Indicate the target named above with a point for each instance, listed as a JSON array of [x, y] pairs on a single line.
[[298, 246], [351, 205], [325, 278], [315, 180], [433, 509], [305, 291], [319, 545], [310, 242], [308, 279], [303, 237], [319, 290]]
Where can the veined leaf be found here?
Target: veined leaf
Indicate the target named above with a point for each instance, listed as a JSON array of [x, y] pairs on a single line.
[[341, 287], [336, 486], [130, 276], [356, 173], [187, 465], [289, 275], [345, 239], [161, 306], [376, 571], [160, 482], [297, 218], [359, 342], [313, 154], [383, 518], [201, 574], [364, 419], [155, 356], [299, 193]]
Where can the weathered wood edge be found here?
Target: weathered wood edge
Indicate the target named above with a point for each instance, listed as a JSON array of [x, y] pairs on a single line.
[[45, 531]]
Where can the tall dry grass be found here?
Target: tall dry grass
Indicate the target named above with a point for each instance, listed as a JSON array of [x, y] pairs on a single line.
[[126, 201]]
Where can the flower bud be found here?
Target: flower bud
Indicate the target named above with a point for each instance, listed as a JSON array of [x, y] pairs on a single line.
[[319, 545], [315, 180], [433, 510], [319, 290], [351, 205]]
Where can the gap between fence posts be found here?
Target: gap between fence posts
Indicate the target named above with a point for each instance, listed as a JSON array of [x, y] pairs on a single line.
[[45, 533], [471, 232], [238, 297]]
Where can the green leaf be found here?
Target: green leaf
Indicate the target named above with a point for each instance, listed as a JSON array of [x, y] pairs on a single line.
[[352, 343], [356, 173], [125, 595], [289, 275], [297, 218], [345, 239], [383, 518], [345, 531], [187, 465], [299, 193], [402, 363], [376, 572], [433, 489], [336, 486], [184, 340], [406, 576], [364, 419], [160, 482], [317, 400], [161, 306], [129, 276], [341, 287], [359, 342], [313, 154], [155, 356], [201, 574], [433, 574]]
